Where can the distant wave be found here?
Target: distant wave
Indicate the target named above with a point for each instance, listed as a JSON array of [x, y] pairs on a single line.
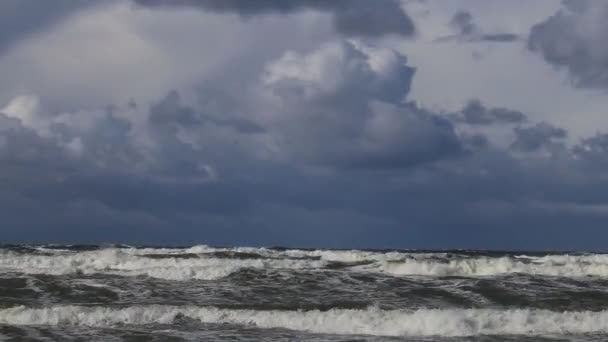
[[447, 322], [206, 263]]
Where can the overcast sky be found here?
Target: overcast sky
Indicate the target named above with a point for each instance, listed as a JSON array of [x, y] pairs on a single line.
[[314, 123]]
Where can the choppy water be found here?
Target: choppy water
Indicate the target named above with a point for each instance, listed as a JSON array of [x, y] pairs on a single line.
[[89, 293]]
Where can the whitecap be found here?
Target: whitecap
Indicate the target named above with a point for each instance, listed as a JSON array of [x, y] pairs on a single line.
[[372, 321]]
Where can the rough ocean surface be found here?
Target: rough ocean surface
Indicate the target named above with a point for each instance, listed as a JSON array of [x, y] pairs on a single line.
[[122, 293]]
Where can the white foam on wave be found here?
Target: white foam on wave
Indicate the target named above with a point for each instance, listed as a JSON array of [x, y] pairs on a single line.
[[424, 322], [346, 256], [485, 266], [173, 266], [118, 262], [570, 259], [413, 263]]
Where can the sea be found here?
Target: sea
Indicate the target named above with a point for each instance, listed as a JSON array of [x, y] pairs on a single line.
[[202, 293]]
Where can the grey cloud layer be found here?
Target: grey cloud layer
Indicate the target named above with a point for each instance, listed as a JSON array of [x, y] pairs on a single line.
[[393, 174], [321, 147], [574, 38], [20, 18], [351, 17]]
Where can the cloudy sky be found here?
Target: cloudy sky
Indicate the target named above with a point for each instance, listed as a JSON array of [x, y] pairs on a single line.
[[344, 123]]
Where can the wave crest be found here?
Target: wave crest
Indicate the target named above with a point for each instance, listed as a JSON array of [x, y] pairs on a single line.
[[126, 263], [205, 263], [448, 322]]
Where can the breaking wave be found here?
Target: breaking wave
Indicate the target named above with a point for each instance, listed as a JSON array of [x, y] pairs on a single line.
[[574, 267], [205, 263], [424, 322], [123, 263]]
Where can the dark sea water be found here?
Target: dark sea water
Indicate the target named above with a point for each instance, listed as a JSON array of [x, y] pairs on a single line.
[[89, 293]]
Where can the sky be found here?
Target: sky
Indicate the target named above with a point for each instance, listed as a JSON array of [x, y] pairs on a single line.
[[311, 123]]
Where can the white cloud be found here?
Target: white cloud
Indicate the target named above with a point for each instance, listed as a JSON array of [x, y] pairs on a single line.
[[26, 108], [110, 54]]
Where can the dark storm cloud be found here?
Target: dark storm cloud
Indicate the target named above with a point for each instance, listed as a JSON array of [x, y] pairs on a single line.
[[321, 148], [165, 189], [537, 136], [21, 18], [423, 138], [475, 113], [171, 111], [574, 39], [500, 37], [351, 17], [484, 198], [28, 157], [105, 190], [475, 141]]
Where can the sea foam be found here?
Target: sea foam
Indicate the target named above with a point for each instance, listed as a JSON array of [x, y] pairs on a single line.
[[204, 263], [119, 262], [424, 322]]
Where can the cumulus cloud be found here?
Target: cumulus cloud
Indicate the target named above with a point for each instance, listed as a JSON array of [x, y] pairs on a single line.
[[484, 193], [574, 39], [351, 17], [343, 105], [284, 143]]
